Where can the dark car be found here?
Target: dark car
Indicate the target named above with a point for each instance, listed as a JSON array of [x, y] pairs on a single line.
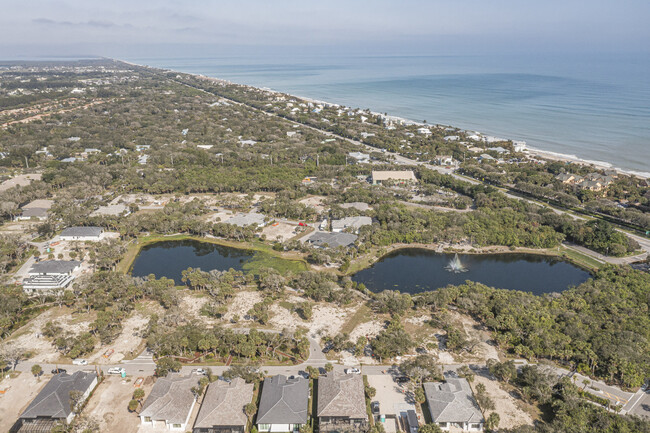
[[374, 406], [58, 371], [401, 379]]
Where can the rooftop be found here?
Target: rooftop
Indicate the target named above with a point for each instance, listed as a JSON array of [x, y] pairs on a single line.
[[452, 401], [54, 400], [341, 395], [283, 401], [224, 404], [170, 399], [393, 175], [246, 219], [332, 240], [354, 222], [54, 267], [82, 231]]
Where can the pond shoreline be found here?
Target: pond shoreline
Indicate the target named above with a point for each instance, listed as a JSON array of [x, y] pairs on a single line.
[[365, 262], [135, 248]]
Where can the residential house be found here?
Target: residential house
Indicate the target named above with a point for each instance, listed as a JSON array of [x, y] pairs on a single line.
[[444, 160], [411, 421], [359, 157], [591, 185], [452, 405], [38, 209], [331, 240], [425, 131], [353, 223], [53, 405], [50, 275], [283, 404], [401, 177], [566, 178], [358, 205], [112, 210], [341, 403], [222, 410], [82, 234], [170, 403]]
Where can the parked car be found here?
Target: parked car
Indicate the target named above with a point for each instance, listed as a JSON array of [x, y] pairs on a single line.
[[402, 379], [199, 371], [116, 370], [352, 370], [80, 362], [58, 371], [374, 406]]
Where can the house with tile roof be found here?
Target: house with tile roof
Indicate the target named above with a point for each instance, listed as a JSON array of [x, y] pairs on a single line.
[[452, 405], [54, 404], [341, 404], [223, 407], [283, 404], [170, 403]]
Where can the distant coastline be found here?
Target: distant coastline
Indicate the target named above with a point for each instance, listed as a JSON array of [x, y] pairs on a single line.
[[541, 153]]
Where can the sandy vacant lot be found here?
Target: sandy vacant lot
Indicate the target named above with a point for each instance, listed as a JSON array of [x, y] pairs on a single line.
[[109, 405], [241, 303], [279, 231], [126, 344], [28, 337], [505, 405], [315, 202], [18, 393]]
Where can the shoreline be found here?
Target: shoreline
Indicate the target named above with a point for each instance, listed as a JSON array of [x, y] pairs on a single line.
[[546, 154]]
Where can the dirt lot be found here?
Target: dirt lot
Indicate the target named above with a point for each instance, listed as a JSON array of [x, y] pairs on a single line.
[[242, 302], [28, 337], [18, 393], [108, 405], [279, 231], [314, 201], [126, 344], [505, 405]]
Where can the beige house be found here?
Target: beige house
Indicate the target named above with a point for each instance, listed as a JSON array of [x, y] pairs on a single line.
[[341, 403], [400, 177]]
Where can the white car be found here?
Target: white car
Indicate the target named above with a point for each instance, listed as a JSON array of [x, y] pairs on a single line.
[[116, 370], [200, 371], [352, 371], [80, 362]]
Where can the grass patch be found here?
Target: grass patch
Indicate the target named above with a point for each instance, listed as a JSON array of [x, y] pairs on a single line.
[[359, 317], [263, 260], [581, 259]]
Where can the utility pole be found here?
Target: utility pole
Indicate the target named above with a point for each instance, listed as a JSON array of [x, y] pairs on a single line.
[[317, 164]]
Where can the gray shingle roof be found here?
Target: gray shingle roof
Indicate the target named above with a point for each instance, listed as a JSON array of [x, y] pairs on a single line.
[[333, 240], [34, 212], [452, 401], [170, 399], [283, 401], [82, 231], [224, 404], [54, 267], [341, 395], [246, 219], [355, 222], [54, 399]]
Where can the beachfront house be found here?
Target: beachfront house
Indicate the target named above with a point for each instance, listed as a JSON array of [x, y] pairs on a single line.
[[50, 275], [222, 410], [341, 403], [82, 234], [425, 131], [54, 404], [452, 405], [170, 403], [283, 404], [397, 177]]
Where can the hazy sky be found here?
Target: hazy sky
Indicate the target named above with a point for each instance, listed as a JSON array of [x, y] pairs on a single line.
[[159, 27]]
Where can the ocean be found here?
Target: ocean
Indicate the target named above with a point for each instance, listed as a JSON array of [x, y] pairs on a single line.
[[593, 107]]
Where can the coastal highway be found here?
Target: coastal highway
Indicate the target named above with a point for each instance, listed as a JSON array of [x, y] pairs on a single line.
[[643, 242]]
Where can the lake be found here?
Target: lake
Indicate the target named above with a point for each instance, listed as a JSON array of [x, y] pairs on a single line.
[[414, 270], [170, 258]]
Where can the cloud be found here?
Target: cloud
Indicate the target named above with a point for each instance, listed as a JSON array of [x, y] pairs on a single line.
[[89, 23]]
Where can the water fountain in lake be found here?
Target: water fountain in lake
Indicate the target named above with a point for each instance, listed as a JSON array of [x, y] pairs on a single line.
[[455, 265]]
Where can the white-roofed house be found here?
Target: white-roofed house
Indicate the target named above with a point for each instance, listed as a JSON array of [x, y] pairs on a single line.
[[82, 234]]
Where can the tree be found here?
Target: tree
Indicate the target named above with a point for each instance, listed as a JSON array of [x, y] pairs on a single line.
[[419, 395], [133, 405], [430, 428], [76, 400], [250, 410], [138, 394], [492, 422], [165, 365], [313, 372], [421, 368], [504, 371], [329, 367], [36, 370]]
